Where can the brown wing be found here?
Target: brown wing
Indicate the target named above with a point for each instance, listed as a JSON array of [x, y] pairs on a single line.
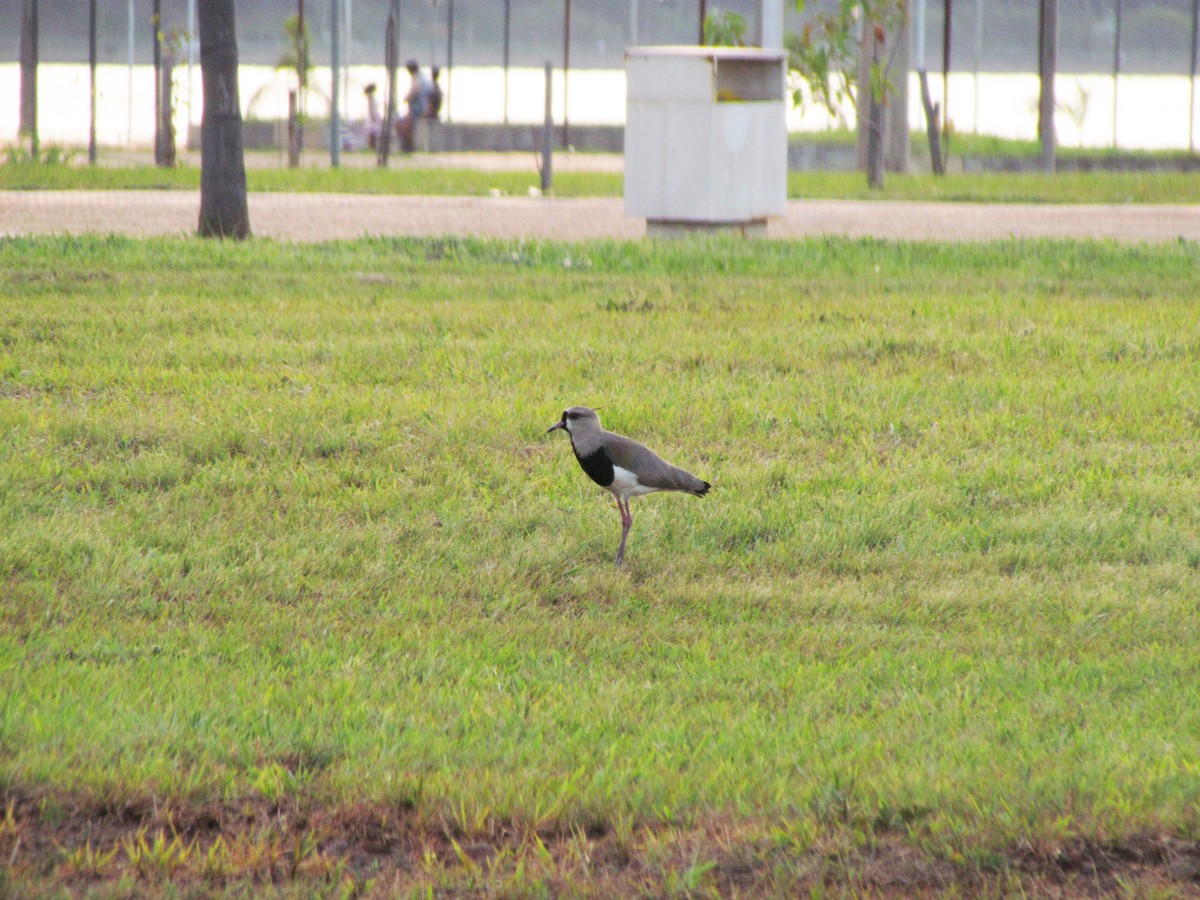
[[651, 469]]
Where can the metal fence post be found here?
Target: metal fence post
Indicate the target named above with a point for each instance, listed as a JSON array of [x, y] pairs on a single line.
[[547, 136]]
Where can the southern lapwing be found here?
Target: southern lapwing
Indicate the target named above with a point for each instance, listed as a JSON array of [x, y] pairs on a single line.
[[622, 465]]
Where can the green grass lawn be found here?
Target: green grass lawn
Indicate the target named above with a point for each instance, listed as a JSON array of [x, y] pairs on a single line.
[[1064, 187], [282, 542], [349, 179]]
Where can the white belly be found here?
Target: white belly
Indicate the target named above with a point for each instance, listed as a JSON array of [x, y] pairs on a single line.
[[625, 484]]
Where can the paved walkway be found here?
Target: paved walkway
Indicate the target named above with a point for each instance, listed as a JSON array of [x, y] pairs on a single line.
[[315, 217]]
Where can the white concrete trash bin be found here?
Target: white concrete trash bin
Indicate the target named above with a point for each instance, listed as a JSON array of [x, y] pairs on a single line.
[[705, 137]]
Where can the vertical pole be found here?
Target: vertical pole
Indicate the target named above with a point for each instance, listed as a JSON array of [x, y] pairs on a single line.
[[1116, 67], [129, 127], [703, 16], [507, 49], [302, 77], [449, 57], [433, 43], [978, 57], [547, 134], [335, 63], [347, 44], [1192, 77], [92, 82], [770, 24], [191, 56], [566, 71], [29, 74], [35, 140], [919, 36], [1047, 66]]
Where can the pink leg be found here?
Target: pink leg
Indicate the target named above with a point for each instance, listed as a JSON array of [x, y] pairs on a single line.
[[626, 522]]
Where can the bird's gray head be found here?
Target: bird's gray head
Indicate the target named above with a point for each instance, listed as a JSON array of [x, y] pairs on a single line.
[[577, 420]]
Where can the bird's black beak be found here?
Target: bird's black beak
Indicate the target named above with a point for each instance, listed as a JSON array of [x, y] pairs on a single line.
[[556, 426]]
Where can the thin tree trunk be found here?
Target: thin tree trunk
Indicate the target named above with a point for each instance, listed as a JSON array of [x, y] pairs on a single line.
[[223, 209], [931, 125], [166, 121], [896, 138], [872, 89], [391, 60], [156, 34], [874, 142], [293, 130], [865, 56], [947, 20]]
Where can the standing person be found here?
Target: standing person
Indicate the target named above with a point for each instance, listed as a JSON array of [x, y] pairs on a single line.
[[374, 122], [435, 94], [417, 99]]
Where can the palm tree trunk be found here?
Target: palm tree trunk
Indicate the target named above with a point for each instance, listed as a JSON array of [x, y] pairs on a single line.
[[223, 209]]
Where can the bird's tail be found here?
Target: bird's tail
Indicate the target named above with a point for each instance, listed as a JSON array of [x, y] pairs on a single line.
[[683, 480]]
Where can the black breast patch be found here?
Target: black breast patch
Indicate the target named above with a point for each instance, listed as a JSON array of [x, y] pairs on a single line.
[[598, 466]]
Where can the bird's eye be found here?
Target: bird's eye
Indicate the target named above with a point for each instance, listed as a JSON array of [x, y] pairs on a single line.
[[571, 415]]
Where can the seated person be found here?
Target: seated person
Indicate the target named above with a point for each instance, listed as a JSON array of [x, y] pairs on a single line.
[[357, 135]]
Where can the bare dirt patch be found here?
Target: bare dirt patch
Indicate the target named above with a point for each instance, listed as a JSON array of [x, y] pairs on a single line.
[[152, 848]]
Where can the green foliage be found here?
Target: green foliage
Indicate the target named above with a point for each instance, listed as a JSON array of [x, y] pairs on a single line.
[[347, 179], [825, 53], [49, 155], [724, 29], [156, 859], [298, 58], [298, 55], [281, 523], [1062, 187], [87, 862]]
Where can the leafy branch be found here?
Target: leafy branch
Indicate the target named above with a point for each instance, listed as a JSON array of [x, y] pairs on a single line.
[[825, 53], [724, 29]]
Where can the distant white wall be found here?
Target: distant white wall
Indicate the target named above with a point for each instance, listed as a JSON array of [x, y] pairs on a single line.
[[1152, 112]]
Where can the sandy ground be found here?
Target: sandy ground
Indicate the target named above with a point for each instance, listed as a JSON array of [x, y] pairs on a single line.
[[316, 217]]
